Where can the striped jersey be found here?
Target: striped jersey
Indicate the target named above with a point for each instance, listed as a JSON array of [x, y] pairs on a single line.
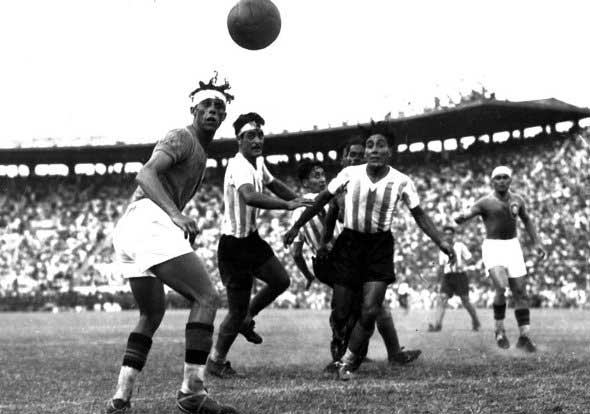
[[239, 219], [369, 207], [462, 254], [311, 232]]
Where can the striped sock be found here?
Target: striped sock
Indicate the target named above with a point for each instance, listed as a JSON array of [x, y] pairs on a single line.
[[199, 339], [138, 347]]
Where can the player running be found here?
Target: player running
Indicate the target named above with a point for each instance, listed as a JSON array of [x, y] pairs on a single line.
[[454, 280], [242, 254], [153, 242], [363, 253], [502, 254]]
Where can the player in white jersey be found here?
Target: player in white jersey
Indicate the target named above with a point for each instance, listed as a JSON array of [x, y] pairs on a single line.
[[502, 254], [153, 245], [363, 253], [454, 280], [242, 255]]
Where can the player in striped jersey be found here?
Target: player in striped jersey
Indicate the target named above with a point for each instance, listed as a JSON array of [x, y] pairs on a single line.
[[363, 253], [153, 241], [242, 254]]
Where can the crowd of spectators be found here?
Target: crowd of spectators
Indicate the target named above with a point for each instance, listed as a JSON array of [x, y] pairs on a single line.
[[55, 231]]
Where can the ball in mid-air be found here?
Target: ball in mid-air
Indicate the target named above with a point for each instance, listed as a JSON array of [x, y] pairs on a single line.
[[254, 24]]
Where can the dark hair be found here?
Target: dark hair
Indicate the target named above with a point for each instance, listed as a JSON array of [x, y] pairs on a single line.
[[449, 228], [246, 119], [350, 143], [381, 128], [306, 167]]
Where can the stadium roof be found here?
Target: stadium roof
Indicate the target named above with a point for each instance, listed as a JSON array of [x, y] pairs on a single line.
[[470, 119]]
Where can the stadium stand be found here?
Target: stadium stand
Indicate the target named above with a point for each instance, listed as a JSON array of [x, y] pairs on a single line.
[[56, 248]]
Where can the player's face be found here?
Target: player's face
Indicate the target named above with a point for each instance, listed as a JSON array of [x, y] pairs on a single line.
[[449, 235], [316, 181], [501, 182], [377, 151], [355, 155], [251, 143], [209, 114]]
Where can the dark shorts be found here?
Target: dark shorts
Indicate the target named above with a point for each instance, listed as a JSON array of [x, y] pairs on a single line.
[[455, 284], [239, 259], [324, 270], [363, 257]]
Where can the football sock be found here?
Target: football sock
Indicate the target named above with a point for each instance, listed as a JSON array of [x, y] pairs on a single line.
[[199, 339], [499, 315], [138, 347], [523, 318], [388, 332]]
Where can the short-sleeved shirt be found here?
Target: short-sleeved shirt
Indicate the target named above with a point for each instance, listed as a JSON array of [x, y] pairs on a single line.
[[239, 219], [462, 254], [311, 232], [370, 207], [189, 161]]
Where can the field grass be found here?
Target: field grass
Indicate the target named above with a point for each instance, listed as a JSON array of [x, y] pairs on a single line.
[[68, 363]]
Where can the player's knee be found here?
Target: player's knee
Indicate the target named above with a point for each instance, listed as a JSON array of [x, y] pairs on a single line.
[[369, 315], [384, 313], [151, 319], [209, 300], [465, 299]]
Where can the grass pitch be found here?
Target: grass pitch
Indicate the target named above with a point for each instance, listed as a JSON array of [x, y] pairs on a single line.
[[68, 363]]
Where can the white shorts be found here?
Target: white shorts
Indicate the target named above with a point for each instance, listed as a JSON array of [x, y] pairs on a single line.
[[146, 236], [504, 253]]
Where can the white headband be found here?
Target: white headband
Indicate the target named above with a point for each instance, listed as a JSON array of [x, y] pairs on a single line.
[[248, 127], [502, 170], [207, 94]]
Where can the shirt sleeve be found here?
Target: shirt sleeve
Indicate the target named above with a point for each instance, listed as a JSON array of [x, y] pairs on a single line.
[[339, 181], [465, 252], [442, 259], [409, 194], [240, 173], [176, 144], [296, 214]]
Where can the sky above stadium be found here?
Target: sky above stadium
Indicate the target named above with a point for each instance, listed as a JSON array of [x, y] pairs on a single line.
[[122, 69]]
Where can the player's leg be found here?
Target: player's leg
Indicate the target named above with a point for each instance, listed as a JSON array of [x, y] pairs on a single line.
[[439, 312], [188, 276], [343, 301], [499, 276], [386, 328], [471, 310], [462, 290], [522, 312], [373, 296], [238, 299], [149, 296]]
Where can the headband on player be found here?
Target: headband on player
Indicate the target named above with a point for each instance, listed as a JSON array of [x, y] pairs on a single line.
[[250, 126], [502, 170], [207, 94]]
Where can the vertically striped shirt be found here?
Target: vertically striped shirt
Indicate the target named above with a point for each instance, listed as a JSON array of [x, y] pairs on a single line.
[[239, 219], [311, 232], [462, 254], [370, 207]]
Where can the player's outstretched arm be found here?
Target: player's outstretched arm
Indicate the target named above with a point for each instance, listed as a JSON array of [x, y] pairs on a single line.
[[465, 216], [260, 200], [427, 226], [330, 222], [532, 231], [318, 204], [281, 190]]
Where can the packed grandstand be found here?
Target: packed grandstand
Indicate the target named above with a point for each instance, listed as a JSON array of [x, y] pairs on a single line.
[[56, 248]]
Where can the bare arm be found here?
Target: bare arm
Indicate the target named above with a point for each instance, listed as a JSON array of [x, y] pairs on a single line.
[[321, 200], [531, 230], [297, 253], [260, 200], [150, 183], [427, 226], [330, 223], [281, 190]]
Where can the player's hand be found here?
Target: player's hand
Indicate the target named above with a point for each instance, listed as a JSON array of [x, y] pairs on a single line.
[[187, 225], [448, 250], [290, 236], [323, 253], [299, 202], [459, 218], [541, 252]]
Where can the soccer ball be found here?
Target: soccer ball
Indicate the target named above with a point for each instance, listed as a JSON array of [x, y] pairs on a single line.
[[254, 24]]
